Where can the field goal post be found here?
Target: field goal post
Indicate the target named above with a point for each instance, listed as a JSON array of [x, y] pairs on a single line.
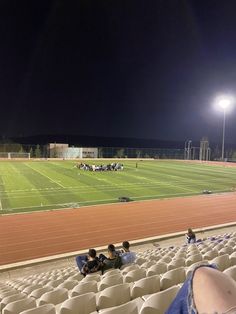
[[14, 155]]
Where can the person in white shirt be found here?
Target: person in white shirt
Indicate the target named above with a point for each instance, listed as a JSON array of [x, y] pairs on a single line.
[[127, 257]]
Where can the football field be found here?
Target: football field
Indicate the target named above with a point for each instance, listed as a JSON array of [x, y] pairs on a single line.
[[46, 185]]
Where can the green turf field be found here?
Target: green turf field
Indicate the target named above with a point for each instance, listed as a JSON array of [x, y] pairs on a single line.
[[39, 185]]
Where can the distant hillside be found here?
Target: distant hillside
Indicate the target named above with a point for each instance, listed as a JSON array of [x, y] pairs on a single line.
[[95, 141]]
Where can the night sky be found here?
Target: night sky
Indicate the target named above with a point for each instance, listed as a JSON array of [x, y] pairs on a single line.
[[144, 69]]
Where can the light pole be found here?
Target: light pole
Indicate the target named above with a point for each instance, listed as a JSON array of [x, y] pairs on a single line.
[[223, 138], [224, 103], [187, 149]]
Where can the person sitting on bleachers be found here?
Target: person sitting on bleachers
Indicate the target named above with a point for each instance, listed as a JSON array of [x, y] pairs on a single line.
[[92, 265], [127, 257], [112, 261], [190, 236], [89, 263]]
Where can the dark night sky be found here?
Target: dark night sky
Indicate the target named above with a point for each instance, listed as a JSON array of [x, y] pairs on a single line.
[[143, 69]]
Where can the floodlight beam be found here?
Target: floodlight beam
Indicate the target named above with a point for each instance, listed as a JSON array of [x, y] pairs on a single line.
[[224, 103]]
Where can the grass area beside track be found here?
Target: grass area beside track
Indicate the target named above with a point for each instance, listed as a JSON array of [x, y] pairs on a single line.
[[27, 186]]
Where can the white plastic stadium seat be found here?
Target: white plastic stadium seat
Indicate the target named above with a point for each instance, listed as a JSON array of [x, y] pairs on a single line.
[[18, 306], [232, 259], [193, 259], [180, 255], [231, 243], [222, 262], [231, 271], [68, 284], [36, 294], [11, 298], [55, 297], [23, 286], [131, 307], [77, 276], [226, 250], [154, 258], [135, 275], [43, 309], [111, 272], [157, 269], [55, 283], [43, 282], [176, 263], [148, 264], [192, 247], [91, 277], [6, 289], [144, 286], [219, 246], [166, 259], [159, 302], [173, 277], [110, 281], [126, 269], [210, 254], [7, 294], [84, 287], [82, 304], [114, 296], [139, 261], [31, 288], [17, 284]]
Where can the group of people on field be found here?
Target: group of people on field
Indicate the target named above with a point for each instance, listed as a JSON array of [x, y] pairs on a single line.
[[91, 263], [114, 166]]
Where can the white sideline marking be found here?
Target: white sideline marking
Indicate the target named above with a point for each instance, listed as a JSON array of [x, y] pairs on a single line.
[[0, 198], [46, 176], [114, 200]]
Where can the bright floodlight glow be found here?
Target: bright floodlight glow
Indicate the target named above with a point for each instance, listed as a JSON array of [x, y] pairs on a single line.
[[224, 102]]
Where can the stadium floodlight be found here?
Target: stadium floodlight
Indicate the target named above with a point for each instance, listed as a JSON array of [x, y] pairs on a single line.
[[224, 103]]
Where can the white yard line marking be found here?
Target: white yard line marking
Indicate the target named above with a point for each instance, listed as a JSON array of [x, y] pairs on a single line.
[[29, 194], [105, 187], [46, 176]]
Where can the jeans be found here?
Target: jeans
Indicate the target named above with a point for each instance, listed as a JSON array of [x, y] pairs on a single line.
[[81, 260], [184, 302]]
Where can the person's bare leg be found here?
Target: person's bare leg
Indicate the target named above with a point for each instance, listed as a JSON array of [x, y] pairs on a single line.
[[213, 291]]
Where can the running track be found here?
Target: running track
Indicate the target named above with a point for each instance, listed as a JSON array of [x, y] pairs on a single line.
[[29, 236]]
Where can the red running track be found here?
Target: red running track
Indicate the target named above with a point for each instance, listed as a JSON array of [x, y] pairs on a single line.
[[34, 235]]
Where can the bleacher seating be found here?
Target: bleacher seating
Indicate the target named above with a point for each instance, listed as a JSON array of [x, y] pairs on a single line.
[[145, 287]]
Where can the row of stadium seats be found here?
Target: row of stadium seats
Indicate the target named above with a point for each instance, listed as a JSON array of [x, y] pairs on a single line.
[[146, 286], [114, 300]]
